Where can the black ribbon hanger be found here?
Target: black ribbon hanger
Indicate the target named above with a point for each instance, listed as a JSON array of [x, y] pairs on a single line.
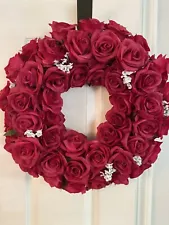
[[84, 9]]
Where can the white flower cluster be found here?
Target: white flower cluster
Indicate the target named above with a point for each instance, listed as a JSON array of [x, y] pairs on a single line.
[[64, 65], [107, 174], [166, 108], [12, 85], [127, 79], [30, 133], [138, 160]]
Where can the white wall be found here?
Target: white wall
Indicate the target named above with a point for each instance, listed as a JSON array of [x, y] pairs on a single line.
[[27, 201]]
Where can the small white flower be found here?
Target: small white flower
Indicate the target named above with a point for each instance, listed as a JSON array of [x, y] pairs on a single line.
[[38, 133], [29, 133], [127, 79], [138, 160], [107, 174], [166, 108], [64, 65], [12, 85]]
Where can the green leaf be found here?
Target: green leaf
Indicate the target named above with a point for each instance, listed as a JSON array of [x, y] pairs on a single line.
[[10, 133]]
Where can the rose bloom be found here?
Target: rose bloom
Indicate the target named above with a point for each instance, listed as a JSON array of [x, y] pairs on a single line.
[[3, 96], [22, 122], [79, 46], [25, 151], [122, 162], [132, 55], [150, 105], [20, 100], [121, 102], [118, 120], [97, 155], [96, 76], [75, 188], [147, 128], [49, 51], [150, 156], [56, 80], [78, 76], [52, 164], [73, 143], [29, 50], [15, 64], [30, 77], [146, 80], [60, 30], [104, 45], [108, 135], [51, 100], [77, 171], [138, 145], [52, 136], [54, 118], [89, 25], [118, 29], [96, 181], [114, 82]]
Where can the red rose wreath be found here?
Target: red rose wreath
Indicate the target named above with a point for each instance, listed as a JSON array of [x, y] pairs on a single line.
[[97, 54]]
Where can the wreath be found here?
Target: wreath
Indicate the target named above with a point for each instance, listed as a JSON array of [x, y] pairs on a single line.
[[94, 54]]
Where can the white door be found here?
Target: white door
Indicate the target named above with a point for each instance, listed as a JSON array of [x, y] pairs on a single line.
[[27, 201]]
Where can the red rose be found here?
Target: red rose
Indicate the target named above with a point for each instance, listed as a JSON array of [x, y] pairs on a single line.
[[52, 118], [73, 143], [30, 50], [96, 76], [121, 103], [75, 188], [166, 92], [97, 182], [122, 161], [107, 134], [60, 30], [118, 120], [138, 145], [52, 136], [118, 29], [142, 41], [52, 164], [79, 46], [56, 80], [22, 122], [30, 77], [146, 81], [90, 25], [164, 126], [14, 66], [54, 181], [132, 55], [77, 171], [97, 154], [3, 96], [25, 151], [78, 76], [146, 128], [114, 82], [147, 160], [104, 45], [150, 105], [49, 51], [20, 100], [160, 65], [8, 119], [51, 100]]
